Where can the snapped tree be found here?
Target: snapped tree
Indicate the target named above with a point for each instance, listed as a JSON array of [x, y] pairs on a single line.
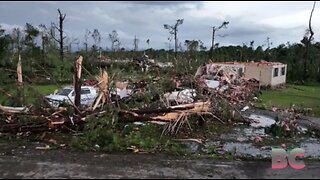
[[135, 43], [113, 37], [308, 37], [60, 30], [173, 30], [214, 29], [97, 40]]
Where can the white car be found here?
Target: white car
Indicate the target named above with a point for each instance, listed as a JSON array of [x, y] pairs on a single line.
[[67, 95]]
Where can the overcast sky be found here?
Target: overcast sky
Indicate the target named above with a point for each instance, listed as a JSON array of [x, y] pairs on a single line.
[[281, 21]]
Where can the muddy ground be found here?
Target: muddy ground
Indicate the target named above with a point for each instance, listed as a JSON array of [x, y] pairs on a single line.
[[27, 162]]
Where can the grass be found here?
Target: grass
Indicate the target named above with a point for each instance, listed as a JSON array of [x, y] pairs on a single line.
[[31, 92], [46, 89], [301, 96]]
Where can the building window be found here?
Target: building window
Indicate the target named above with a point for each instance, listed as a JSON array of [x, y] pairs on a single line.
[[240, 72], [275, 73], [283, 71]]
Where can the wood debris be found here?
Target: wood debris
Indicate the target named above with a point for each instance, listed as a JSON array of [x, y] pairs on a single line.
[[173, 117], [103, 84]]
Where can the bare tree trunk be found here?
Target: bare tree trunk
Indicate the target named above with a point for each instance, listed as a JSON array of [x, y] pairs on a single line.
[[20, 83], [307, 45], [60, 29], [212, 46], [77, 83], [175, 42], [61, 19], [43, 53]]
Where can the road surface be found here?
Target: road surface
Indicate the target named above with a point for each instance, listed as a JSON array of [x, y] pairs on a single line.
[[32, 163]]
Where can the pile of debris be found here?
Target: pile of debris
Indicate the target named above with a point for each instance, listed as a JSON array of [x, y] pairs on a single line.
[[227, 81], [224, 84], [145, 63]]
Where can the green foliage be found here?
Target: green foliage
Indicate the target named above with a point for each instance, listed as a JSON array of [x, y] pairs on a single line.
[[301, 96], [175, 148], [107, 134], [36, 57], [32, 94]]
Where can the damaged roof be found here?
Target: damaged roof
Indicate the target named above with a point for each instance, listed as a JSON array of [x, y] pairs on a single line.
[[262, 62]]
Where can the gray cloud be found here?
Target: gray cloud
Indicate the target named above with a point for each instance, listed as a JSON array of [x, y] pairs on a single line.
[[248, 21]]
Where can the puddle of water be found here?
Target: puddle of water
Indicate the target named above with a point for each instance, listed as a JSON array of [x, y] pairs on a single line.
[[253, 132], [246, 149], [237, 141], [261, 121], [311, 149], [192, 147]]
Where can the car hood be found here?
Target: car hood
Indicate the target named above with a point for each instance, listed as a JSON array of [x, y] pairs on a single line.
[[57, 97]]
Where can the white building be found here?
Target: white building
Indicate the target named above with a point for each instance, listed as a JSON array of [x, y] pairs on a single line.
[[268, 73]]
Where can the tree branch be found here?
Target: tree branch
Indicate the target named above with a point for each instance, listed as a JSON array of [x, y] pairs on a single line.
[[311, 32], [52, 36]]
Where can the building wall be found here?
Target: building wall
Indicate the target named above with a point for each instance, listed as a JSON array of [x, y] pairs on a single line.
[[253, 71], [261, 71], [280, 79], [239, 68]]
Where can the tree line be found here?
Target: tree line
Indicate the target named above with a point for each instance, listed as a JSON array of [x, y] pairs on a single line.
[[47, 50]]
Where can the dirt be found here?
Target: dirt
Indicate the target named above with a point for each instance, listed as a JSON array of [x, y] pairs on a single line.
[[27, 162]]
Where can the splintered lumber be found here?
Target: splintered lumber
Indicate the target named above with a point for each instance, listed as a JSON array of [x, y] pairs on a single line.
[[169, 116], [137, 117], [13, 109], [79, 66], [5, 92], [103, 85], [77, 83], [20, 83], [199, 106], [28, 127], [19, 71], [162, 110], [173, 114]]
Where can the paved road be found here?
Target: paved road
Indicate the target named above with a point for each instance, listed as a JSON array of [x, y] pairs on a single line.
[[24, 163]]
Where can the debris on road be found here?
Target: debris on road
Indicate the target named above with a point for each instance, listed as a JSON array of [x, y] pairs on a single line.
[[46, 147]]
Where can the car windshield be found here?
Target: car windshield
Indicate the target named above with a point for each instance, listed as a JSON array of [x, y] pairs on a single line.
[[64, 92]]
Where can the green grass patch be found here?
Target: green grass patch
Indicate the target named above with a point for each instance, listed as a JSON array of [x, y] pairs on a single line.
[[32, 93], [46, 89], [299, 96]]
